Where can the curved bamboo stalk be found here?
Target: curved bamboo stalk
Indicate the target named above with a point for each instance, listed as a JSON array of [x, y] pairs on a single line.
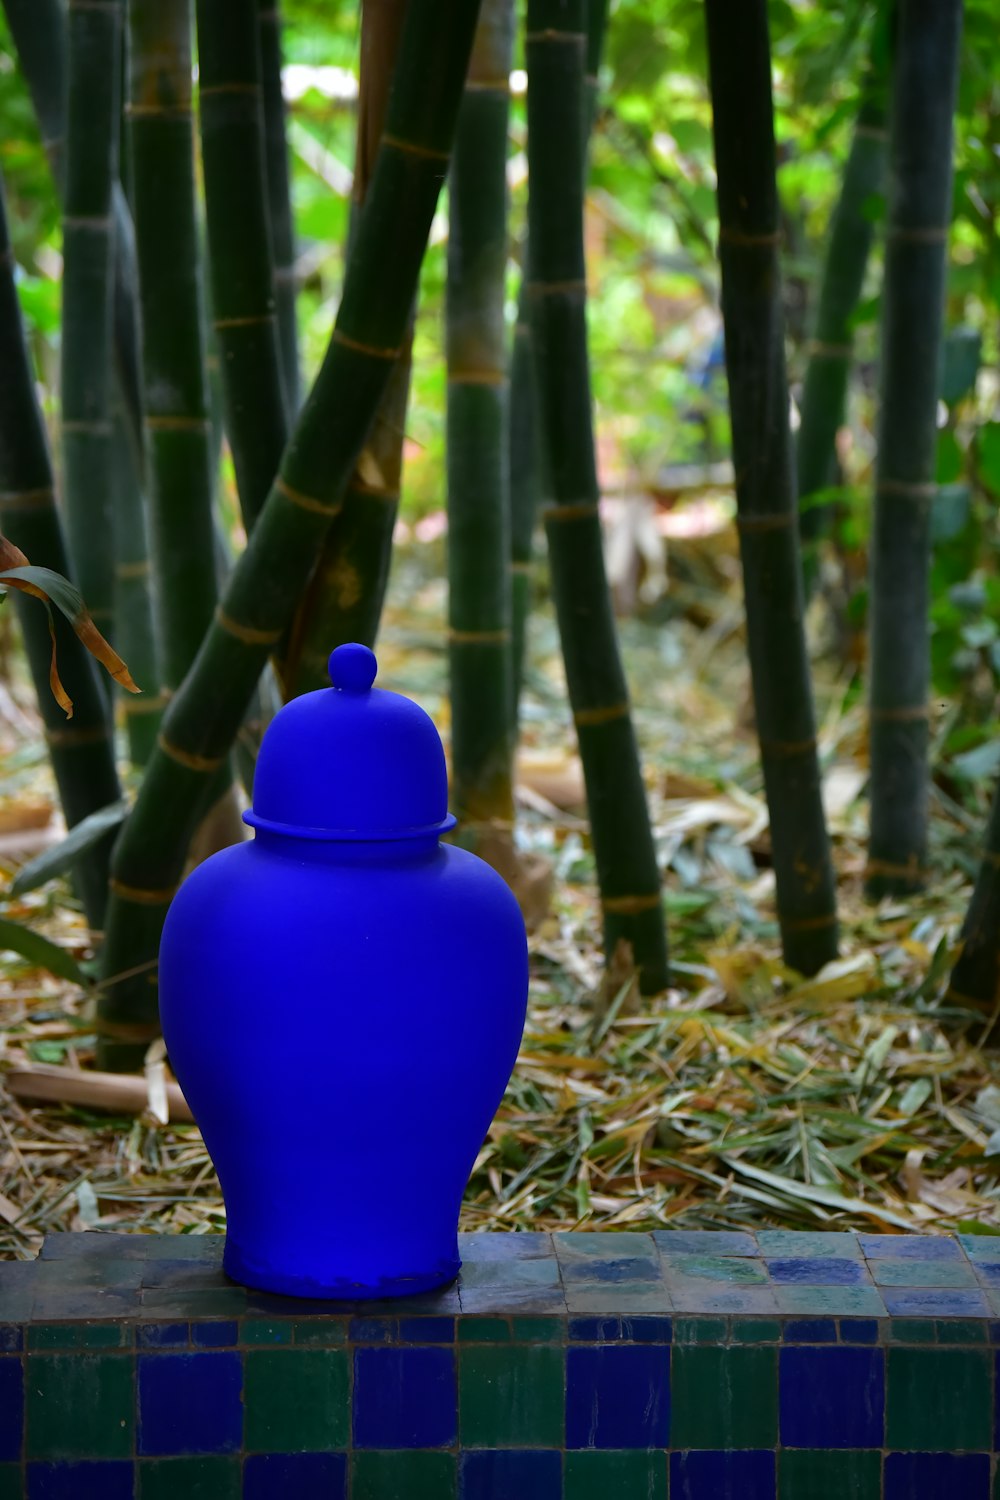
[[849, 243], [239, 250], [279, 197], [925, 81], [176, 411], [91, 168], [477, 442], [347, 589], [975, 979], [81, 749], [749, 240], [627, 871], [205, 714]]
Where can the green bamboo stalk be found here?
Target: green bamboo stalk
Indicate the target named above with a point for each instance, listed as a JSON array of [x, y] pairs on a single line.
[[477, 442], [205, 714], [749, 240], [627, 871], [975, 979], [925, 81], [525, 454], [279, 197], [176, 410], [347, 589], [85, 367], [81, 748], [849, 243], [39, 32], [239, 250], [133, 611]]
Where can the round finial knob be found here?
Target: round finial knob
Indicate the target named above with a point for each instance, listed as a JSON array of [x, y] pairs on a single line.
[[353, 668]]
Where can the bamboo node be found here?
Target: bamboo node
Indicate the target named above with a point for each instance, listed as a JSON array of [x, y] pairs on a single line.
[[85, 427], [960, 998], [286, 276], [487, 86], [125, 1031], [579, 510], [810, 924], [250, 321], [248, 634], [494, 378], [372, 350], [908, 714], [228, 88], [479, 637], [304, 502], [872, 132], [145, 703], [70, 738], [128, 570], [911, 489], [773, 521], [158, 111], [385, 492], [932, 235], [729, 236], [140, 895], [585, 718], [412, 148], [522, 569], [550, 34], [97, 223], [829, 351], [911, 871], [629, 906], [557, 288], [787, 747], [187, 759], [176, 423], [27, 499]]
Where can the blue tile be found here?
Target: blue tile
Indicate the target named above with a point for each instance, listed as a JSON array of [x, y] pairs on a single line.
[[909, 1247], [295, 1476], [111, 1480], [404, 1398], [11, 1409], [832, 1398], [936, 1476], [427, 1330], [597, 1330], [620, 1269], [989, 1271], [628, 1329], [647, 1330], [494, 1474], [11, 1337], [933, 1302], [162, 1335], [704, 1242], [859, 1330], [814, 1271], [618, 1396], [810, 1331], [372, 1331], [215, 1334], [995, 1333], [746, 1475], [190, 1403]]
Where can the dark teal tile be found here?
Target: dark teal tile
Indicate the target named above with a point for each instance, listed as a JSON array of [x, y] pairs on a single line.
[[80, 1336], [80, 1405], [724, 1397], [701, 1330], [939, 1399], [912, 1331], [265, 1331], [296, 1400], [611, 1474], [538, 1330], [402, 1475], [829, 1474], [961, 1331], [755, 1331], [320, 1332], [210, 1477], [511, 1396], [11, 1482], [486, 1330]]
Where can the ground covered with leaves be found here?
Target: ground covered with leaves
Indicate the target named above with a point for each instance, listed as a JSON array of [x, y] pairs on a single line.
[[743, 1096]]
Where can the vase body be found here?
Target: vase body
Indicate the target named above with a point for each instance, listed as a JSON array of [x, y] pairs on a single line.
[[343, 1017]]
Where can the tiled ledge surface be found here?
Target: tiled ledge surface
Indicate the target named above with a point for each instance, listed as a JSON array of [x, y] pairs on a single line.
[[587, 1366]]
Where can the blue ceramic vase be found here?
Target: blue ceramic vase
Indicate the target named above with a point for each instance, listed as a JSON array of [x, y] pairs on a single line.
[[342, 1000]]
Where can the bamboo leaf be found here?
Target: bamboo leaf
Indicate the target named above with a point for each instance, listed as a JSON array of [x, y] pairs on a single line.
[[813, 1193], [38, 950], [78, 842], [43, 583]]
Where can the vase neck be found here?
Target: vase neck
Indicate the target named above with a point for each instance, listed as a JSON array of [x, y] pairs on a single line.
[[418, 850]]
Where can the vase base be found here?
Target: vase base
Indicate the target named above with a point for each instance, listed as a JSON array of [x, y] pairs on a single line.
[[272, 1279]]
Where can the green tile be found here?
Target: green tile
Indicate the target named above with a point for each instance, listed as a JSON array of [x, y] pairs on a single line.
[[485, 1330], [616, 1475], [829, 1474], [924, 1273], [724, 1398], [961, 1331], [833, 1301], [912, 1331], [403, 1476], [11, 1482], [981, 1246], [807, 1244], [262, 1331], [296, 1400], [700, 1330], [539, 1330], [80, 1405], [321, 1332], [728, 1268], [756, 1331], [939, 1400], [80, 1336], [191, 1478], [511, 1397]]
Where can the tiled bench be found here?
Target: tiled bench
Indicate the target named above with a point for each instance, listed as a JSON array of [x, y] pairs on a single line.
[[586, 1366]]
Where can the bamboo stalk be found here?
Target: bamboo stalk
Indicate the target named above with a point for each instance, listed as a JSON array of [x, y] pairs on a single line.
[[204, 715], [239, 250], [279, 197], [133, 612], [627, 871], [176, 411], [477, 442], [749, 240], [106, 1091], [347, 589], [80, 749], [925, 80], [85, 365], [849, 242], [975, 979]]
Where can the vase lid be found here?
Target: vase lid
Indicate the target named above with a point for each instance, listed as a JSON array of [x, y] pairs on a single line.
[[351, 762]]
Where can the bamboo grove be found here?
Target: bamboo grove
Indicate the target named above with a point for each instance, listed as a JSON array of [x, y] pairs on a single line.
[[180, 254]]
